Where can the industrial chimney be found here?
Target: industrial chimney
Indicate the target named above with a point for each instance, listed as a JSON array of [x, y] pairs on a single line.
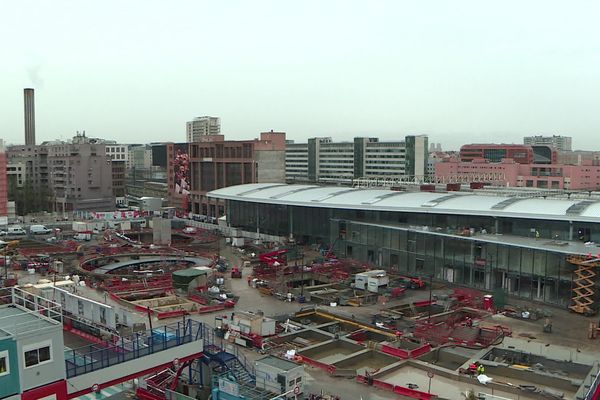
[[28, 95]]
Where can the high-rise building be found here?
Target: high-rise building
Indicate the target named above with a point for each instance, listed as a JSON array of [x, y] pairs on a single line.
[[562, 143], [323, 160], [202, 126], [417, 154], [29, 100]]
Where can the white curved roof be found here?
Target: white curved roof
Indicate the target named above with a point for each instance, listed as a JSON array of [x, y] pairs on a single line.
[[420, 202]]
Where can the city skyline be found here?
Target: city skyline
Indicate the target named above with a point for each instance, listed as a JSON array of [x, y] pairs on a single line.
[[459, 73]]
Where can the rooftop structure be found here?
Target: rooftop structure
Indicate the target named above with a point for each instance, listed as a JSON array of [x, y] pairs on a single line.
[[31, 345], [459, 203], [279, 363]]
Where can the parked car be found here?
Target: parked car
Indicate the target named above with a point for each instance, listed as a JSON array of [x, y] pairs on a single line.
[[2, 233]]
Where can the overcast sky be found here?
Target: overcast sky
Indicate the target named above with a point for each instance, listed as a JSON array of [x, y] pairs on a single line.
[[459, 71]]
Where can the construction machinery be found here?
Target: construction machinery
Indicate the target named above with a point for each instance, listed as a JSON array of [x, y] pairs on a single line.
[[583, 292], [236, 273], [8, 248]]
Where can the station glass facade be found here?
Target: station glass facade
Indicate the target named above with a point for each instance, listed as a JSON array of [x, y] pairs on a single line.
[[528, 260]]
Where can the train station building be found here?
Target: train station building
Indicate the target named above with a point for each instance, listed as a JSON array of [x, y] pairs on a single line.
[[489, 242]]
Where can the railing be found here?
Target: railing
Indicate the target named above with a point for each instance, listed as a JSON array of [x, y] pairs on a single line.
[[593, 392], [43, 312], [209, 342], [94, 357]]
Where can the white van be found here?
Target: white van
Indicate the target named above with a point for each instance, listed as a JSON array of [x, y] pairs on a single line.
[[15, 230], [39, 230]]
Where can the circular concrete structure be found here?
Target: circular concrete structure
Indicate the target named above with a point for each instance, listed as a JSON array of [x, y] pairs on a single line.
[[139, 261], [190, 261]]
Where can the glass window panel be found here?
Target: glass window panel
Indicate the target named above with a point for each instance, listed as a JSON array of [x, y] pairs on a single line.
[[31, 358], [44, 354]]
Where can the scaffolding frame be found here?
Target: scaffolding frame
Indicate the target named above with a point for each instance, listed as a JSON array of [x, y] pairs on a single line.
[[584, 280]]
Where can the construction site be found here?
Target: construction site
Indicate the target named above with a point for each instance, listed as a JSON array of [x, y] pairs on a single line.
[[281, 319]]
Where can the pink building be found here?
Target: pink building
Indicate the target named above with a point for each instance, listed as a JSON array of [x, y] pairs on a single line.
[[3, 182], [509, 173]]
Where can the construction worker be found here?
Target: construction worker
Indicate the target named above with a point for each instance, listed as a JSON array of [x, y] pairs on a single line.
[[480, 369]]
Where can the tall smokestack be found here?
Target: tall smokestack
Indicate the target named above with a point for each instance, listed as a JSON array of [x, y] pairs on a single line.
[[28, 95]]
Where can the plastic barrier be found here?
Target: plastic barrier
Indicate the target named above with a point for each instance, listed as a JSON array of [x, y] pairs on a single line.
[[209, 309], [394, 351], [171, 314], [314, 363], [419, 351]]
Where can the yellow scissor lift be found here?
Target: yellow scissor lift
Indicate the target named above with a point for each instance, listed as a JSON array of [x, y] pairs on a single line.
[[584, 282]]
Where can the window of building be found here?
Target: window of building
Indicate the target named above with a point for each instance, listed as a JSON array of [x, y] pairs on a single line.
[[4, 365], [80, 307], [37, 354]]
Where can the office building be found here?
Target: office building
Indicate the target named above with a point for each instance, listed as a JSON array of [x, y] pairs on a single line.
[[222, 163], [147, 176], [201, 127], [562, 143], [29, 114], [522, 154], [511, 174], [323, 160], [494, 242]]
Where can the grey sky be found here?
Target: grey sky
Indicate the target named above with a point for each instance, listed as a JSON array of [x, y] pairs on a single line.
[[459, 71]]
